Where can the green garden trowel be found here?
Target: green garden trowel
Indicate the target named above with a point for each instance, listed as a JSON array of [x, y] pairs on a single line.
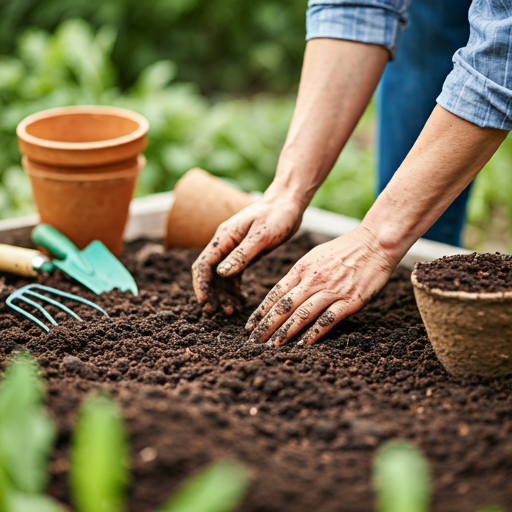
[[95, 266]]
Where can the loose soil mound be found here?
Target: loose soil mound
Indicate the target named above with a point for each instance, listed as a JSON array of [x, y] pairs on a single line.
[[306, 420], [468, 273]]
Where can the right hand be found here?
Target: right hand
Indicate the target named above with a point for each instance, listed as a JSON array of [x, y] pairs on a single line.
[[257, 229]]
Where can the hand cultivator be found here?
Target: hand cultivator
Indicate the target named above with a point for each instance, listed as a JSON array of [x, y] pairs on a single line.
[[24, 295]]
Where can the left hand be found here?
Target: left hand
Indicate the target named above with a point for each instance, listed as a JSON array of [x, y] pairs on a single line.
[[331, 282]]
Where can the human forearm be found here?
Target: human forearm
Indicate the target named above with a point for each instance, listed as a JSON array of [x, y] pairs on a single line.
[[448, 154], [338, 80], [337, 278]]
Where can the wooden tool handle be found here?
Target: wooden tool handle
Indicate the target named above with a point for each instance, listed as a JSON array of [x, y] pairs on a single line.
[[18, 260]]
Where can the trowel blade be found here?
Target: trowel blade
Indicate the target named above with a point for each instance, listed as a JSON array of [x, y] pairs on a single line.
[[89, 280], [107, 271], [108, 268]]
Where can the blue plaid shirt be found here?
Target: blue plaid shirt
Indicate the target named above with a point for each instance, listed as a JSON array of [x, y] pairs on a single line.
[[478, 89]]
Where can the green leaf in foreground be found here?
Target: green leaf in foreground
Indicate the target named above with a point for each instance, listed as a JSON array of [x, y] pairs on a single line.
[[99, 472], [219, 488], [401, 478], [4, 490], [491, 508], [23, 502], [26, 432]]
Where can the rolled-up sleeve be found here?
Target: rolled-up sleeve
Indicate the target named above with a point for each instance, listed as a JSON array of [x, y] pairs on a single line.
[[479, 88], [366, 21]]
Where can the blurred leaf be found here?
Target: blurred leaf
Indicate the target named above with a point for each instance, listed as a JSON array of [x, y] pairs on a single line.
[[401, 478], [99, 472], [84, 56], [491, 508], [11, 72], [4, 488], [268, 56], [34, 46], [156, 77], [20, 502], [106, 38], [26, 432], [220, 488]]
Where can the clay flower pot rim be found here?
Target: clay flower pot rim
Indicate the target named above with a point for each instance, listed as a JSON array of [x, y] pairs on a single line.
[[143, 123], [460, 295], [128, 172]]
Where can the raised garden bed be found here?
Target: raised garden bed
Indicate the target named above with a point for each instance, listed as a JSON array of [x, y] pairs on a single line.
[[306, 420]]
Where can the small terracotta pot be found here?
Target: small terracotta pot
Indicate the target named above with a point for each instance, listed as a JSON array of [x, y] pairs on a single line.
[[82, 136], [471, 332], [86, 204], [83, 164], [201, 204]]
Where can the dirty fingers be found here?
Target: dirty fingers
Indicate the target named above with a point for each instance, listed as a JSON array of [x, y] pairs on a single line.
[[255, 230], [330, 283]]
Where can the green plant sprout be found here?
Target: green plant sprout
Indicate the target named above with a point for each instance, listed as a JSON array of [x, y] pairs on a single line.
[[99, 471], [27, 435], [218, 489], [401, 479]]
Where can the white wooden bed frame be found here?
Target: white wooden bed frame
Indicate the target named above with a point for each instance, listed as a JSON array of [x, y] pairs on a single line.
[[147, 219]]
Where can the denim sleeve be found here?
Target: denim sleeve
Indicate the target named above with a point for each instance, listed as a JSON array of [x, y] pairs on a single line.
[[479, 89], [366, 21]]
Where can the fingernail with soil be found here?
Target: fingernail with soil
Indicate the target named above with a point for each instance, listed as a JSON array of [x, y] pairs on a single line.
[[224, 268], [249, 326], [275, 339]]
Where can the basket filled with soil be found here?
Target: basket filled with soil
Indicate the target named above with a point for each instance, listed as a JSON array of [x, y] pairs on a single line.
[[465, 302]]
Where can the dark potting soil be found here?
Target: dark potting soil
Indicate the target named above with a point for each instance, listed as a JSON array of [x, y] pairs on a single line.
[[307, 421], [468, 273]]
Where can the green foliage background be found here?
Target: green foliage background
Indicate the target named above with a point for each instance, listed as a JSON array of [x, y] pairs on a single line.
[[226, 45], [217, 81]]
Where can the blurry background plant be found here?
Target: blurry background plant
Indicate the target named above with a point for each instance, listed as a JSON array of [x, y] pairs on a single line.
[[99, 473], [215, 78], [222, 45], [401, 479]]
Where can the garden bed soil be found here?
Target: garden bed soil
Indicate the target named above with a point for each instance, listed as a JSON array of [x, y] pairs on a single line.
[[307, 421], [468, 273]]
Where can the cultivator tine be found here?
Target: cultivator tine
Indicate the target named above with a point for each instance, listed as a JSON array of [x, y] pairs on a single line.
[[67, 296], [34, 304], [28, 315], [54, 303], [22, 293]]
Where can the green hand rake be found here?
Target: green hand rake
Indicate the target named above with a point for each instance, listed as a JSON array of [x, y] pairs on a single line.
[[24, 294]]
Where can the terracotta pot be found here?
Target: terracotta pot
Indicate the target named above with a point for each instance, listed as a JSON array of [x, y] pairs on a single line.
[[82, 136], [471, 332], [83, 164], [201, 204], [86, 204]]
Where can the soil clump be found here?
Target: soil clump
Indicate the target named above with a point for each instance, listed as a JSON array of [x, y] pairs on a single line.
[[307, 421]]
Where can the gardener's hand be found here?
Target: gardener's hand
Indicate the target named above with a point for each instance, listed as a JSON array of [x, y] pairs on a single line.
[[257, 229], [331, 282]]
